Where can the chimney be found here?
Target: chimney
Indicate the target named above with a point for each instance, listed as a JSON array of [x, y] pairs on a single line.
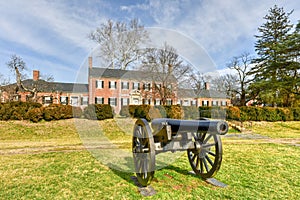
[[206, 85], [36, 75], [90, 62]]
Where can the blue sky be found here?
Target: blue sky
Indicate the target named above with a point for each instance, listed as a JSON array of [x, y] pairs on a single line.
[[51, 35]]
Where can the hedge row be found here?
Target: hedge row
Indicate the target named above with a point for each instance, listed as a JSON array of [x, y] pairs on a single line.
[[98, 112], [269, 114], [35, 112], [230, 113], [16, 110], [151, 112]]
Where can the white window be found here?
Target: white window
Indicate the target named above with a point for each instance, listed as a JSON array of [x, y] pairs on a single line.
[[205, 103], [169, 101], [99, 84], [84, 101], [147, 86], [112, 101], [214, 103], [74, 101], [157, 86], [99, 100], [112, 84], [124, 101], [223, 103], [194, 103], [157, 102], [47, 100], [146, 101], [135, 101], [186, 103], [135, 85], [64, 100], [124, 85]]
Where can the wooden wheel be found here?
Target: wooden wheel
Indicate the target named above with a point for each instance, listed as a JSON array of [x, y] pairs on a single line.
[[206, 160], [143, 149]]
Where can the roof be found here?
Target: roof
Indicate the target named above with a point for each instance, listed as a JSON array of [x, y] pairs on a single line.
[[126, 74], [45, 86], [190, 93]]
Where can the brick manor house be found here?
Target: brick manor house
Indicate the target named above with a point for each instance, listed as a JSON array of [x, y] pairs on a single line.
[[115, 87]]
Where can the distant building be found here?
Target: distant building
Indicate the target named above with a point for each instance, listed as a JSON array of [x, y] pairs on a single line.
[[115, 87]]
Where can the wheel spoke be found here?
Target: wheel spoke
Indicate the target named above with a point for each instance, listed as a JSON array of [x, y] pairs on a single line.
[[205, 165], [209, 160], [208, 137], [197, 162], [207, 145], [193, 159], [202, 136], [201, 166], [211, 153]]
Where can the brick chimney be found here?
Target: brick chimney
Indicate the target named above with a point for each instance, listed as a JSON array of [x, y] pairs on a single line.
[[90, 62], [206, 85], [36, 75]]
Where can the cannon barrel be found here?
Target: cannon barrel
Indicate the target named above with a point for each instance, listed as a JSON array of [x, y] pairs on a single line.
[[209, 126]]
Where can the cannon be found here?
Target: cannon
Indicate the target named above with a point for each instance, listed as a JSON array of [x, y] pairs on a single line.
[[200, 138]]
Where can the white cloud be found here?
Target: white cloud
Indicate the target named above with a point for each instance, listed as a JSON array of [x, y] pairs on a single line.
[[57, 30], [223, 28]]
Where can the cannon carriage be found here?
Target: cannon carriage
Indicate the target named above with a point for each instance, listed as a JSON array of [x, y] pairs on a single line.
[[200, 138]]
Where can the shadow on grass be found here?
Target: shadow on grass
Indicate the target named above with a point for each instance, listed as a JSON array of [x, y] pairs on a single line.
[[119, 172], [128, 176]]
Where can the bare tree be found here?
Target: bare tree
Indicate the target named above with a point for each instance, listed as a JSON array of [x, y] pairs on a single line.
[[18, 67], [167, 69], [119, 42], [242, 65], [226, 84], [197, 81]]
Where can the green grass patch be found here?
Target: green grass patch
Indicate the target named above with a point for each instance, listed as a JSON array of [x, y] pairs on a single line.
[[277, 129], [252, 170]]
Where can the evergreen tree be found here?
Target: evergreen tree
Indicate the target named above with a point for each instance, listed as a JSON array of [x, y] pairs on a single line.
[[270, 68], [291, 78]]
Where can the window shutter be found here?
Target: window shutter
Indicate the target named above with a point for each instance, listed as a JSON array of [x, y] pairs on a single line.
[[122, 85], [116, 84], [109, 101], [96, 84], [116, 102], [102, 84], [122, 101], [109, 84]]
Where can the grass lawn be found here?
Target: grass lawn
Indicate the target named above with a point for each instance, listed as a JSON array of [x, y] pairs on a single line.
[[48, 161]]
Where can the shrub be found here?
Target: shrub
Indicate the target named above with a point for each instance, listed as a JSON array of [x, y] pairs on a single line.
[[142, 111], [233, 113], [284, 114], [35, 114], [174, 111], [77, 112], [57, 112], [296, 113], [190, 112], [124, 111], [205, 111], [16, 110], [98, 112]]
